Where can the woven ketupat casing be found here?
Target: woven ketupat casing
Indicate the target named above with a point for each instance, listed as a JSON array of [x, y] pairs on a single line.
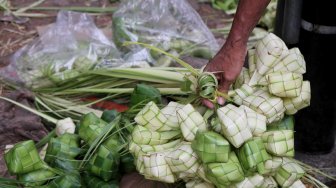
[[279, 143], [170, 112], [36, 178], [269, 182], [295, 104], [23, 158], [190, 122], [211, 147], [143, 136], [284, 84], [255, 121], [288, 173], [152, 118], [70, 180], [183, 161], [157, 168], [104, 163], [264, 103], [239, 94], [223, 174], [270, 50], [234, 124], [90, 127], [252, 155], [272, 165], [293, 62], [65, 146]]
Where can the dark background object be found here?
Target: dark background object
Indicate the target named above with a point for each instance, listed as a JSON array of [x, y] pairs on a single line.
[[315, 125]]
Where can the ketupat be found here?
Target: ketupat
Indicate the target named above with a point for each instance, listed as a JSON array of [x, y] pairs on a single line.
[[264, 103], [211, 147], [143, 136], [183, 161], [104, 163], [36, 178], [292, 105], [288, 173], [190, 122], [279, 143], [157, 168], [63, 150], [152, 118], [70, 180], [234, 124], [223, 174], [90, 127], [252, 156], [284, 84], [23, 158]]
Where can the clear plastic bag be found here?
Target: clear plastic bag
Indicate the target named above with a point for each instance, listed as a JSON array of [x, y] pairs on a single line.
[[71, 45], [173, 26]]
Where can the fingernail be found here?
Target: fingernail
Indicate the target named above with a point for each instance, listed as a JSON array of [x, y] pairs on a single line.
[[220, 100]]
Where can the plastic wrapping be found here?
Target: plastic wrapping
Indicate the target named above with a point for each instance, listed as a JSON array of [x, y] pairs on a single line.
[[70, 45], [173, 26]]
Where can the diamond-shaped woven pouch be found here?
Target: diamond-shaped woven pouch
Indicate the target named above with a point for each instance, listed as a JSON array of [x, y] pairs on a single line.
[[269, 182], [90, 127], [23, 158], [284, 84], [255, 121], [157, 168], [211, 147], [272, 165], [65, 146], [152, 118], [36, 178], [288, 173], [72, 180], [104, 163], [143, 136], [224, 174], [239, 94], [234, 124], [190, 122], [183, 161], [270, 50], [279, 143], [252, 155], [270, 106], [292, 105], [170, 112], [292, 62]]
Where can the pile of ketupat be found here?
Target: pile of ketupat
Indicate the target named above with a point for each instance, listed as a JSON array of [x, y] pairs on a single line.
[[90, 155], [246, 143]]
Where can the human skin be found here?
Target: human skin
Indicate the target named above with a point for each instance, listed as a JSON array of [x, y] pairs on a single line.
[[228, 62]]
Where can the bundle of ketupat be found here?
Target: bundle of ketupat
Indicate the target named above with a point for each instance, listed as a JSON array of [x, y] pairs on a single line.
[[89, 156], [248, 143]]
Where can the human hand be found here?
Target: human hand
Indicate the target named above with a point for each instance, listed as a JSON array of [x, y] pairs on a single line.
[[226, 66]]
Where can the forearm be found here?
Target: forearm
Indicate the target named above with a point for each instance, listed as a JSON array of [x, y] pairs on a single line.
[[247, 16]]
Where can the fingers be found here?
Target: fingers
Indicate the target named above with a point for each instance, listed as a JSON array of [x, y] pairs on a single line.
[[208, 104]]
